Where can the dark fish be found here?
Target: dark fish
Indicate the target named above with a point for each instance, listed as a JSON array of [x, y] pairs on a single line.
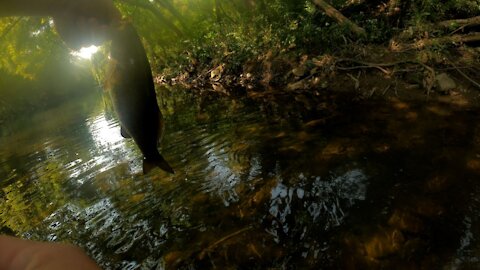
[[132, 91]]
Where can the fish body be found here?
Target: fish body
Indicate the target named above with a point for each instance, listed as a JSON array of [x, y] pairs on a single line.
[[131, 88]]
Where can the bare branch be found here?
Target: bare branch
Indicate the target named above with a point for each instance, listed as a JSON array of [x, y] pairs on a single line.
[[336, 15]]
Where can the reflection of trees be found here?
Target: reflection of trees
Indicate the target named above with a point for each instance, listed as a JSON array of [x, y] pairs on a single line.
[[407, 215], [128, 227], [322, 201], [244, 166], [37, 163], [29, 200]]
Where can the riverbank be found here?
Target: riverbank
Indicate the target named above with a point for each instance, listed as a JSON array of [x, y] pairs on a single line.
[[367, 71]]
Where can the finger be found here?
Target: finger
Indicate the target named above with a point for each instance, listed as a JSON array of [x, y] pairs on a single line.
[[57, 256], [25, 254], [104, 11], [87, 22], [81, 31], [13, 252]]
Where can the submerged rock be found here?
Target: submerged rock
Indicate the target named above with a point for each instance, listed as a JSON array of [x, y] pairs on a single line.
[[444, 83]]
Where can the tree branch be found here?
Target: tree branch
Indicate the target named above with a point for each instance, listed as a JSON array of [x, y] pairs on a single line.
[[336, 15], [460, 22], [427, 42]]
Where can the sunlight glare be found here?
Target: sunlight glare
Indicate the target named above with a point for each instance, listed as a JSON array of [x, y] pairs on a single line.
[[86, 52], [105, 132]]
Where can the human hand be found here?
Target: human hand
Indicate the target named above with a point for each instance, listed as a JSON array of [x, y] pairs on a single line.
[[18, 254], [80, 23]]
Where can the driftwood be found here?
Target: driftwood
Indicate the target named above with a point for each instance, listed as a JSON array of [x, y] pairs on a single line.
[[460, 22], [223, 239], [464, 75], [336, 15], [429, 74], [457, 24], [427, 42]]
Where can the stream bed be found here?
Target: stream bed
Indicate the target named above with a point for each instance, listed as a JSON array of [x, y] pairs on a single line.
[[306, 183]]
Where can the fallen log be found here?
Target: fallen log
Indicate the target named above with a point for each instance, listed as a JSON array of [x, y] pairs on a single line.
[[460, 22], [336, 15], [427, 42]]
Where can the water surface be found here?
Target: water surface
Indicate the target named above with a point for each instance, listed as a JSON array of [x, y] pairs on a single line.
[[308, 183]]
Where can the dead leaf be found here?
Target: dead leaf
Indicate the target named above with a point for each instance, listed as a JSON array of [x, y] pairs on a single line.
[[216, 73]]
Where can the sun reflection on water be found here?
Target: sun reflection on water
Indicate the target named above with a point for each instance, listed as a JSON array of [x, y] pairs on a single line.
[[110, 149], [105, 132]]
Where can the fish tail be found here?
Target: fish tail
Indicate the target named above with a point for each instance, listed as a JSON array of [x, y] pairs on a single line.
[[158, 161]]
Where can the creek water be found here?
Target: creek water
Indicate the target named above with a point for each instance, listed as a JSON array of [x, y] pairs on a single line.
[[307, 183]]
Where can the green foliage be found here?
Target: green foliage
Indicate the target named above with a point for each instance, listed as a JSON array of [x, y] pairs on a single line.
[[377, 30], [432, 10], [36, 69], [27, 44], [195, 35], [18, 212], [235, 35]]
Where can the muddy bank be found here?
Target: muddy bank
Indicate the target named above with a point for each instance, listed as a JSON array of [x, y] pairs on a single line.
[[366, 72]]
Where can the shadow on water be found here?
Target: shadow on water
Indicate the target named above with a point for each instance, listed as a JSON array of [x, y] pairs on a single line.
[[322, 182]]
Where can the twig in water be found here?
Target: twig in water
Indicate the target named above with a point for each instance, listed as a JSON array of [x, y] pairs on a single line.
[[386, 90], [457, 30], [396, 84], [368, 66], [464, 75], [223, 239], [357, 82]]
